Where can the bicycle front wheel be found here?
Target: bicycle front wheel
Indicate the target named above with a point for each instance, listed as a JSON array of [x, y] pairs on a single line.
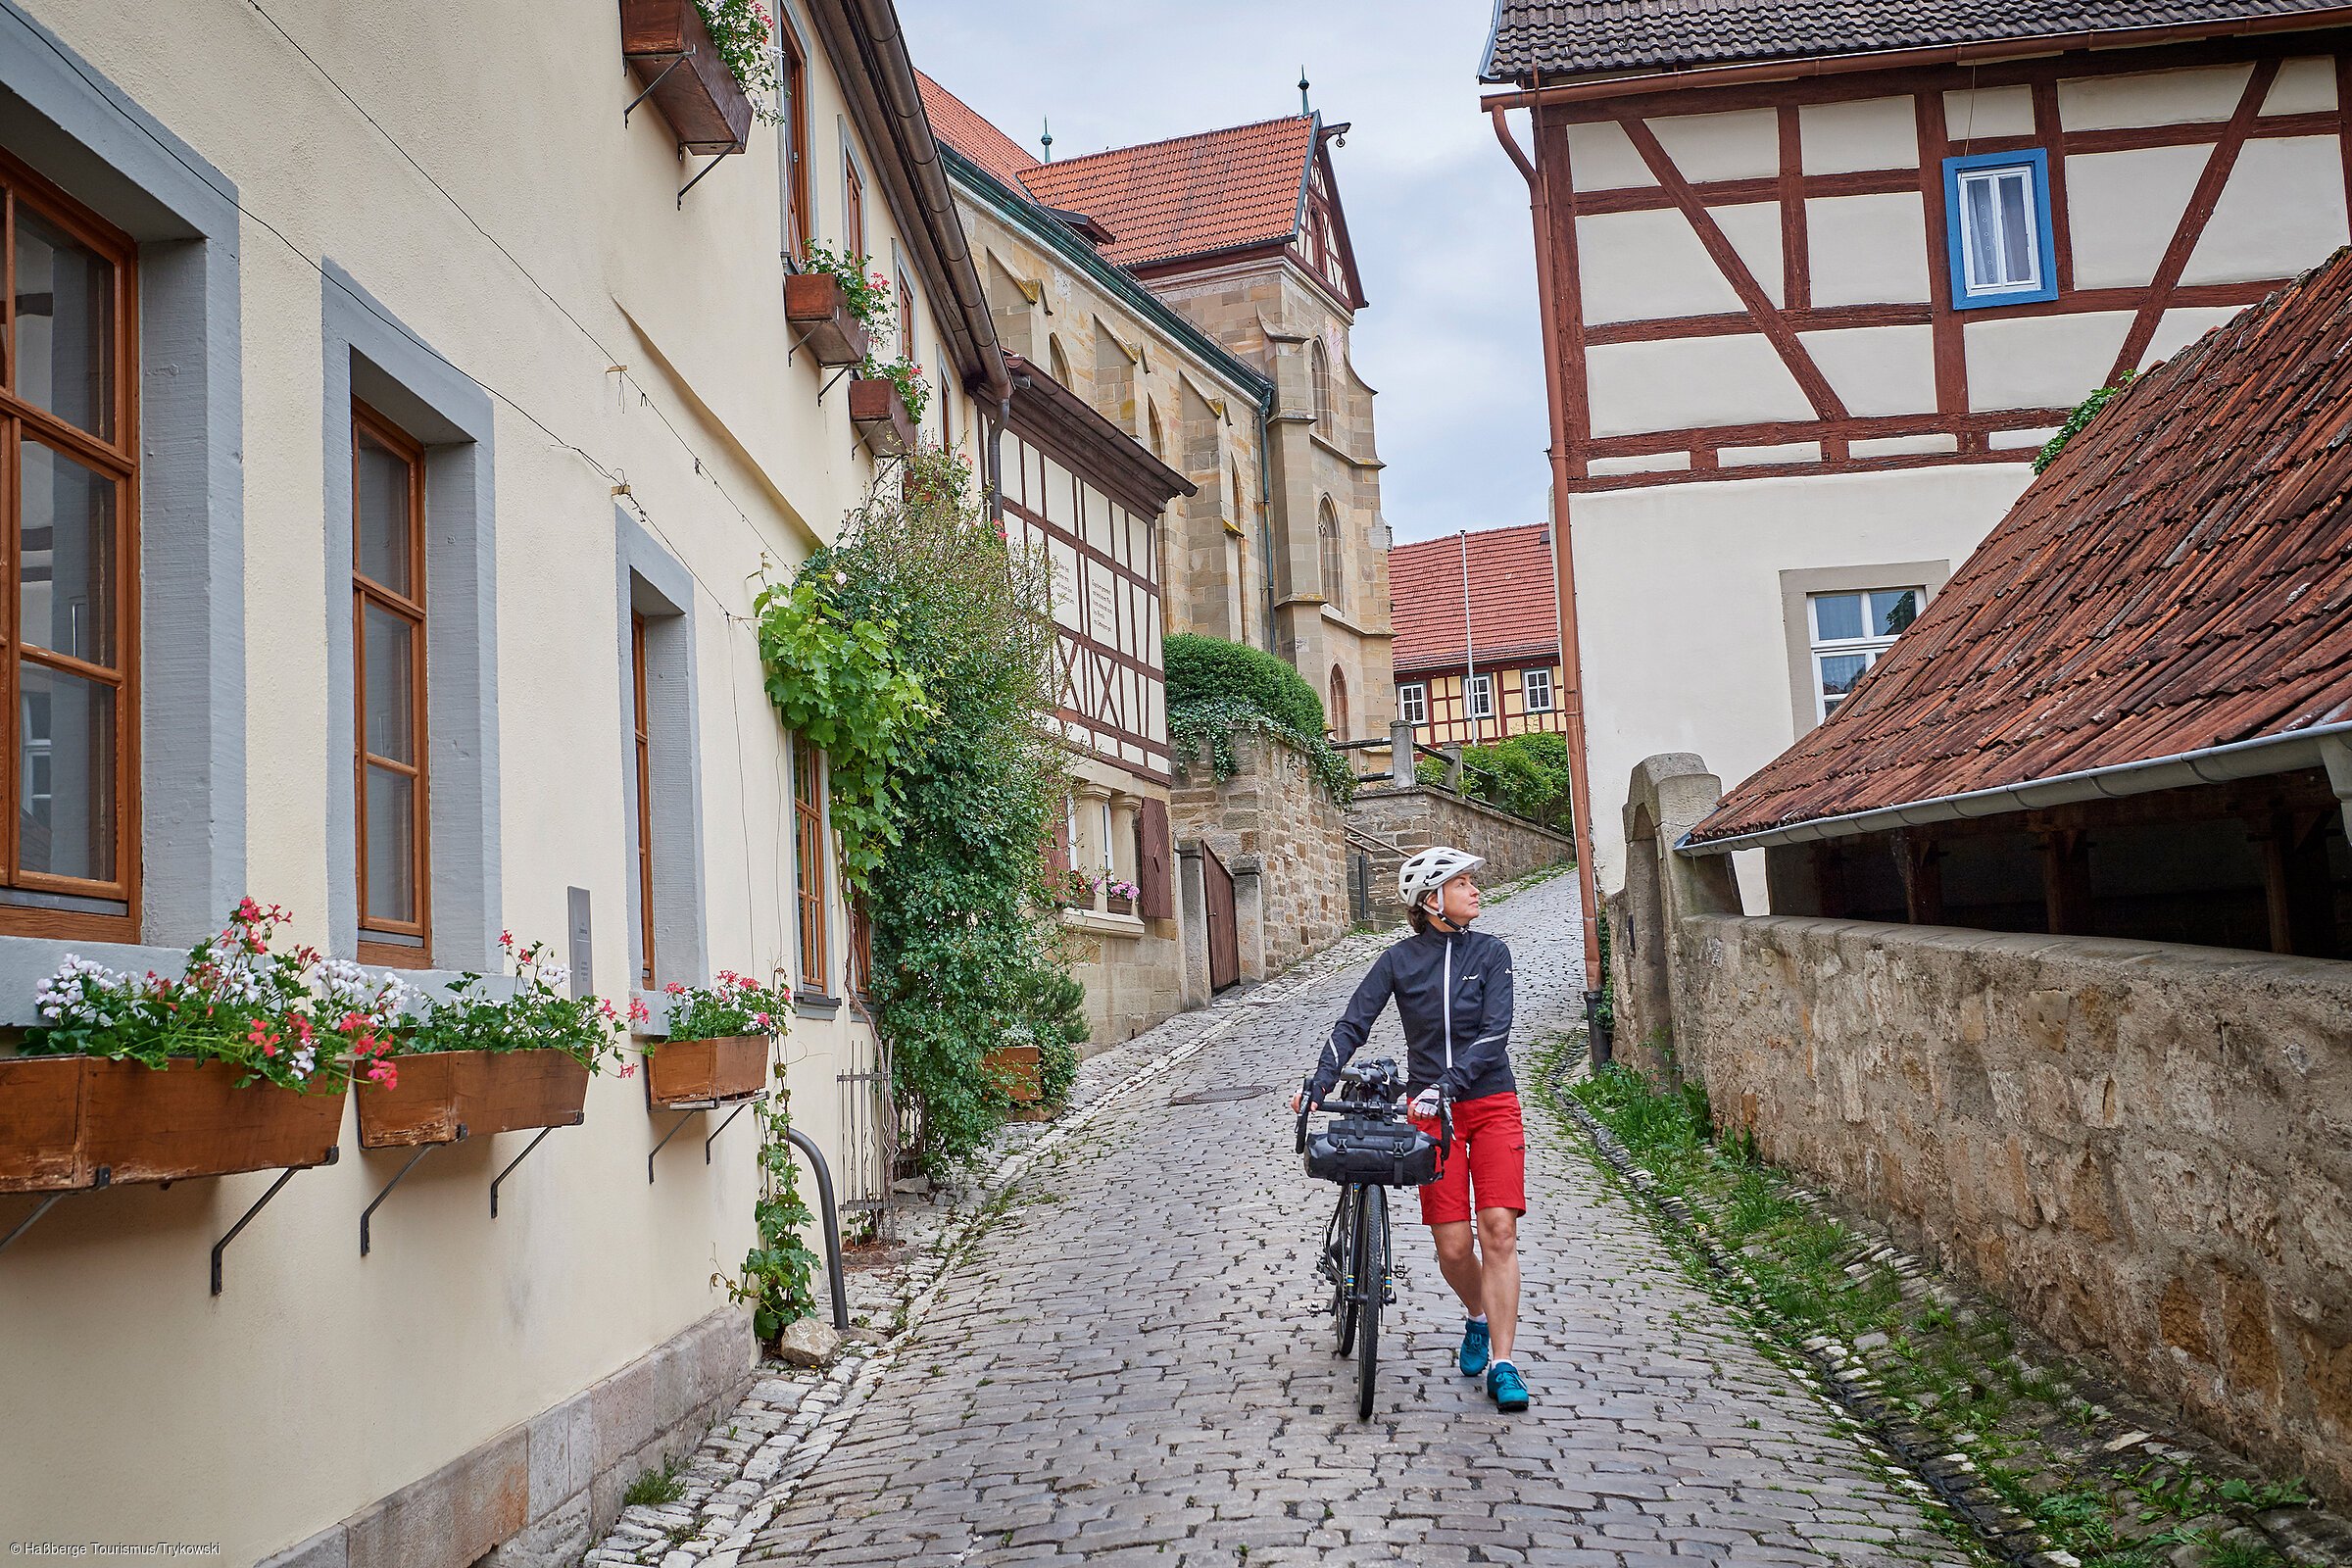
[[1371, 1285], [1343, 1269]]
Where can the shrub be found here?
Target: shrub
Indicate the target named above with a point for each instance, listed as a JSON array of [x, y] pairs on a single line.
[[1526, 773], [1203, 668]]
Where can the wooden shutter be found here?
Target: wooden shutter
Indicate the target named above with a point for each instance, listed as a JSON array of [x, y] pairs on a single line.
[[1154, 874], [1058, 842]]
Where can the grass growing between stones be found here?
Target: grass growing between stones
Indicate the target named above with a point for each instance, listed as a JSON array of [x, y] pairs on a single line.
[[654, 1487], [1951, 1375]]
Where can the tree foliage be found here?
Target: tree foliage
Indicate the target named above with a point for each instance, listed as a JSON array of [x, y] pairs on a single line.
[[1526, 773]]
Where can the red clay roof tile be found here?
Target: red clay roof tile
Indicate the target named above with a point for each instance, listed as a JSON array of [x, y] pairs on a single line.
[[956, 122], [2181, 578], [1511, 603], [1192, 196]]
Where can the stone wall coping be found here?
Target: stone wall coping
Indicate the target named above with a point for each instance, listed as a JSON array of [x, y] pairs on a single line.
[[1448, 798], [2327, 974]]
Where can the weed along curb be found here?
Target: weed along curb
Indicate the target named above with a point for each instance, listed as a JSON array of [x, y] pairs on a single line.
[[2048, 1494]]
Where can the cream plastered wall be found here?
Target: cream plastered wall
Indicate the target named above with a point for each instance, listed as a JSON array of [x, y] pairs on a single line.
[[318, 1383], [1678, 602], [2281, 210]]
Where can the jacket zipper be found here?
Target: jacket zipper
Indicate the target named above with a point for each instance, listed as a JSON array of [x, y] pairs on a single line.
[[1446, 1004]]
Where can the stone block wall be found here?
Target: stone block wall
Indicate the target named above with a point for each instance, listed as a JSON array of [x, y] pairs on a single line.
[[1133, 971], [2145, 1149], [1402, 822], [541, 1494], [1281, 834]]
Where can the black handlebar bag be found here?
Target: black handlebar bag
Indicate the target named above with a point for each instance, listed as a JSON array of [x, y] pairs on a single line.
[[1387, 1154]]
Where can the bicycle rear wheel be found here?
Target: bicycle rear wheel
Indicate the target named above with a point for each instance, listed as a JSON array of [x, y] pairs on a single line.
[[1343, 1259], [1371, 1285]]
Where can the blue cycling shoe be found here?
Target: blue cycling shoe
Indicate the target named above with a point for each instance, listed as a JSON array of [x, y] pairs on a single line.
[[1473, 1357], [1507, 1387]]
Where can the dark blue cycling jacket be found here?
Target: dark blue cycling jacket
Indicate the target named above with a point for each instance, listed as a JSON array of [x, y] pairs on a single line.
[[1461, 1047]]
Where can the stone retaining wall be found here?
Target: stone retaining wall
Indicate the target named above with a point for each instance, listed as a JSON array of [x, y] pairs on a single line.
[[1280, 833], [1406, 821], [2144, 1149]]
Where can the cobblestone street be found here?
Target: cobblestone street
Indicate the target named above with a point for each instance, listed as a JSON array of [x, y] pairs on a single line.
[[1131, 1364]]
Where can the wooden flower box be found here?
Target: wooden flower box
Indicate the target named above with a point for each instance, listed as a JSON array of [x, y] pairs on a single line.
[[436, 1093], [669, 51], [1015, 1069], [70, 1122], [1118, 905], [699, 1072], [818, 309], [880, 416]]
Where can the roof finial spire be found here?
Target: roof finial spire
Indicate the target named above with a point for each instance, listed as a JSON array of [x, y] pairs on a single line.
[[1303, 106], [1047, 140]]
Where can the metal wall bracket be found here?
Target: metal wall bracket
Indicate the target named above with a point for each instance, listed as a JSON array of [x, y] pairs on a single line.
[[368, 1213], [691, 1108], [724, 1125], [222, 1246], [836, 381], [50, 1203], [715, 160], [676, 62], [512, 1163]]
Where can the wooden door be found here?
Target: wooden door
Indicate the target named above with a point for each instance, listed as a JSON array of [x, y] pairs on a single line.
[[1224, 937]]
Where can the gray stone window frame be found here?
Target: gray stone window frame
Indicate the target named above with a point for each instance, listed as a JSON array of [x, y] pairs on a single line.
[[371, 356], [1798, 585], [653, 583], [62, 117]]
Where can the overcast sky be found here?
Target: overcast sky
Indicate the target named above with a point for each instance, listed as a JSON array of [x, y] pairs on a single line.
[[1438, 213]]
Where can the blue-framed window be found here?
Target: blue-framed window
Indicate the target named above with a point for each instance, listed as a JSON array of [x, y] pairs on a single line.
[[1996, 214]]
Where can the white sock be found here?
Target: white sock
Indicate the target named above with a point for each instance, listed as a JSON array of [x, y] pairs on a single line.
[[1479, 1319], [1503, 1361]]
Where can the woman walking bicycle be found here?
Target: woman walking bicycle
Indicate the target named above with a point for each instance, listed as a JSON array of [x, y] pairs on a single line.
[[1453, 988]]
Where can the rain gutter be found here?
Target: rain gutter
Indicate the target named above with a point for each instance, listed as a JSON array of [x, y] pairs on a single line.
[[2328, 746]]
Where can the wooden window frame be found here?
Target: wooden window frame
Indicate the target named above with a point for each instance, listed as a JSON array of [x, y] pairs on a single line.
[[2033, 163], [412, 609], [1412, 701], [115, 458], [1527, 691], [1481, 685], [1871, 649], [645, 802], [792, 75], [809, 867], [853, 207]]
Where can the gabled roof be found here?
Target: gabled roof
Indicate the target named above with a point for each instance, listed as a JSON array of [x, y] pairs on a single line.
[[1512, 610], [2178, 580], [959, 126], [1575, 37], [1221, 190]]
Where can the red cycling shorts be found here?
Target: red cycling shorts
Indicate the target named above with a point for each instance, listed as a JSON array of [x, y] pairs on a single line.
[[1489, 1156]]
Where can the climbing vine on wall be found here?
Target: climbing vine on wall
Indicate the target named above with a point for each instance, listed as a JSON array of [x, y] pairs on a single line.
[[923, 645]]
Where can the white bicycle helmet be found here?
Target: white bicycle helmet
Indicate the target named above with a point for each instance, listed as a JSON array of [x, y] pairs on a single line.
[[1431, 870]]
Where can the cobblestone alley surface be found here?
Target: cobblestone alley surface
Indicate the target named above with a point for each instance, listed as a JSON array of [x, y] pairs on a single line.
[[1132, 1365]]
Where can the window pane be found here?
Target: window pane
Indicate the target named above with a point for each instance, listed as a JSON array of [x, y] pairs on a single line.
[[65, 348], [65, 773], [391, 807], [390, 655], [1840, 672], [1836, 617], [1893, 610], [1981, 239], [2017, 228], [1539, 691], [66, 593], [380, 482]]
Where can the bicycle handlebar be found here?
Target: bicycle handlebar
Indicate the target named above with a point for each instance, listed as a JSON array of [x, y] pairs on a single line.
[[1308, 1106]]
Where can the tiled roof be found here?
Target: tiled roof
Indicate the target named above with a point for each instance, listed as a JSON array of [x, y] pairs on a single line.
[[2179, 579], [1511, 605], [956, 122], [1570, 37], [1215, 191]]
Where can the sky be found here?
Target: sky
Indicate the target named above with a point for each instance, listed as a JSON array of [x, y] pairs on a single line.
[[1437, 213]]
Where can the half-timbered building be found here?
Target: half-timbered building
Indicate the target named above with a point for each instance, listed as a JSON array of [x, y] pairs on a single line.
[[1238, 234], [1816, 284], [1081, 492], [1478, 636]]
